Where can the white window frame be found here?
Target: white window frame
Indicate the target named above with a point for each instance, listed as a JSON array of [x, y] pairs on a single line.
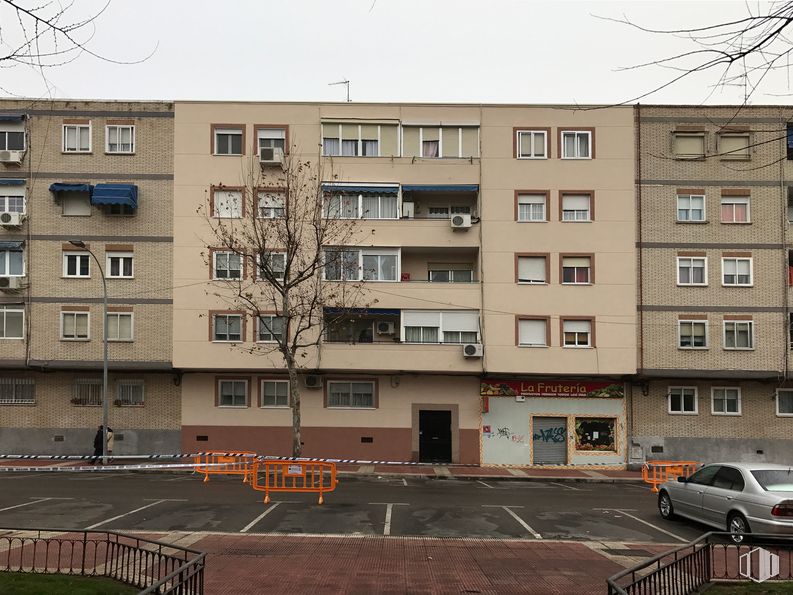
[[544, 203], [215, 276], [231, 132], [736, 259], [67, 255], [330, 383], [227, 317], [735, 323], [121, 384], [443, 326], [274, 253], [682, 400], [268, 202], [359, 209], [367, 252], [66, 313], [5, 255], [245, 395], [238, 209], [588, 334], [118, 316], [326, 126], [544, 323], [532, 134], [264, 381], [16, 385], [268, 137], [736, 200], [704, 260], [778, 413], [77, 127], [11, 128], [7, 195], [713, 400], [575, 218], [450, 272], [118, 127], [122, 255], [689, 209], [272, 317], [564, 133], [93, 386], [5, 309], [78, 199], [680, 336], [588, 269]]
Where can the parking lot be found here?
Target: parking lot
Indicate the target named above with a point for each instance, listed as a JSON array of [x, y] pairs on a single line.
[[167, 502]]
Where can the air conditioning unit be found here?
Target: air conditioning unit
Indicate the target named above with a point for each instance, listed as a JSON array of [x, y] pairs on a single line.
[[408, 209], [8, 219], [11, 282], [11, 156], [461, 221], [385, 328], [473, 350], [271, 156], [312, 381]]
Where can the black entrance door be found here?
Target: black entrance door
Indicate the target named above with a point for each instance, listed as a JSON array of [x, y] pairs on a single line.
[[435, 436]]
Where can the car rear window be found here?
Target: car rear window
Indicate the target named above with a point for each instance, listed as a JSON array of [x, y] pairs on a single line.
[[775, 480]]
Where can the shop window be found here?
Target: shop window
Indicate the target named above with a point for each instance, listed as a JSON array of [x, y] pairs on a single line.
[[595, 434]]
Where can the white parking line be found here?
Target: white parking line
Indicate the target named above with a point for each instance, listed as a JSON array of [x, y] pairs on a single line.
[[115, 518], [389, 507], [487, 485], [523, 523], [272, 507], [656, 527], [36, 501], [564, 485]]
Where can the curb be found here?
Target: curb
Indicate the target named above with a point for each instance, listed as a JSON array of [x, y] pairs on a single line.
[[535, 478]]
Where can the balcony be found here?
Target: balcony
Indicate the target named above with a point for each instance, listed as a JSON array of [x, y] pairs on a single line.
[[394, 357]]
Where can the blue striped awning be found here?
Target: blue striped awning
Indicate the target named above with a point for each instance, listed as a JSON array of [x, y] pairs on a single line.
[[11, 182], [351, 189], [440, 187], [363, 311], [115, 194], [60, 187], [12, 245], [12, 117]]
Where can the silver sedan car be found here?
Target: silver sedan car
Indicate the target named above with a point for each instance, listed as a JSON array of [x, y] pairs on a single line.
[[737, 497]]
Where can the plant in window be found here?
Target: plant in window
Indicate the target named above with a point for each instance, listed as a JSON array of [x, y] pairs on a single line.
[[276, 257]]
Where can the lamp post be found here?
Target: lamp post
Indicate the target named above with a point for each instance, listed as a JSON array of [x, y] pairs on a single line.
[[81, 244]]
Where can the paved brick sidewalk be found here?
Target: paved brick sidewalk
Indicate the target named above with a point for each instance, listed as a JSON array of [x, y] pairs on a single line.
[[405, 565]]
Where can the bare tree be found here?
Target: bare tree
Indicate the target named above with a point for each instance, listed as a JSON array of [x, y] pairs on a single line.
[[49, 34], [285, 246], [741, 52]]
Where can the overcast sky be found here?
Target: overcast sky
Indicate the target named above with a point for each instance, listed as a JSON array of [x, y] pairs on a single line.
[[471, 51]]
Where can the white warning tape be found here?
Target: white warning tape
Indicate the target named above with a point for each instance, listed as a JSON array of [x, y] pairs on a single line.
[[100, 467], [139, 457]]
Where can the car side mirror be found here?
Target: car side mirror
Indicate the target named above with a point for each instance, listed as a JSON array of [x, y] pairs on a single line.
[[682, 479]]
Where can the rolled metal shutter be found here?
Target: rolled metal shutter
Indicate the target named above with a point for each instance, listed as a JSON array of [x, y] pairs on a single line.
[[550, 440]]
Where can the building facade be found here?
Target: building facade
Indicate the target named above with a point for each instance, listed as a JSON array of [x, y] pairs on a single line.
[[714, 241], [495, 249], [99, 174]]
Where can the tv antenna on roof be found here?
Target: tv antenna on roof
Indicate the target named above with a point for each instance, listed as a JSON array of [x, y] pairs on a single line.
[[344, 82]]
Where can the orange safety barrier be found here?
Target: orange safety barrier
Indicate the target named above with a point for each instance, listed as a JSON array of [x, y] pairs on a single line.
[[294, 476], [657, 472], [221, 463]]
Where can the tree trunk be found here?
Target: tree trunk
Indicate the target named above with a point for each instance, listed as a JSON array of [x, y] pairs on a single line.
[[294, 390]]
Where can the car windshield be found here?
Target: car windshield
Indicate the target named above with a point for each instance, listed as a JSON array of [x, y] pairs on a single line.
[[775, 480]]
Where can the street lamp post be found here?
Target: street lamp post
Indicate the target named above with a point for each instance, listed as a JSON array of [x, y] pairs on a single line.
[[81, 244]]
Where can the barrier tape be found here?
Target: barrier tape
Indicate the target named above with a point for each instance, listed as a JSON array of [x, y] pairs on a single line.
[[101, 467], [155, 457]]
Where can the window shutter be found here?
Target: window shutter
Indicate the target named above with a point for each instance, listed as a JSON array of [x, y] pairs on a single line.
[[577, 326], [575, 261], [531, 268], [461, 321], [532, 332], [575, 202], [421, 318]]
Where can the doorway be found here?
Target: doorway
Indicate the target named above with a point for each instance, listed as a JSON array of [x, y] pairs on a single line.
[[549, 440], [435, 436]]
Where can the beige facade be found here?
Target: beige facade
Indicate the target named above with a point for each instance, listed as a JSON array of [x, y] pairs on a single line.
[[51, 347], [713, 302], [483, 162]]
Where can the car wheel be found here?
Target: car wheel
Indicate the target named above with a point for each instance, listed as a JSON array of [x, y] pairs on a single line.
[[738, 527], [665, 506]]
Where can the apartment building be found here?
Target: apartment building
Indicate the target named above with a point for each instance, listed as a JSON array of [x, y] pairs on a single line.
[[84, 186], [714, 288], [495, 251]]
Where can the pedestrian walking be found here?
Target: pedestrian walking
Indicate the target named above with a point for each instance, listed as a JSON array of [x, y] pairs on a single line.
[[109, 443], [98, 440]]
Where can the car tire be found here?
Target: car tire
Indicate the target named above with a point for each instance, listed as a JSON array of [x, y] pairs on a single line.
[[665, 506], [737, 525]]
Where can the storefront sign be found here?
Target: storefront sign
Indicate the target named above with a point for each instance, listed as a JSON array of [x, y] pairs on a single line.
[[492, 387]]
